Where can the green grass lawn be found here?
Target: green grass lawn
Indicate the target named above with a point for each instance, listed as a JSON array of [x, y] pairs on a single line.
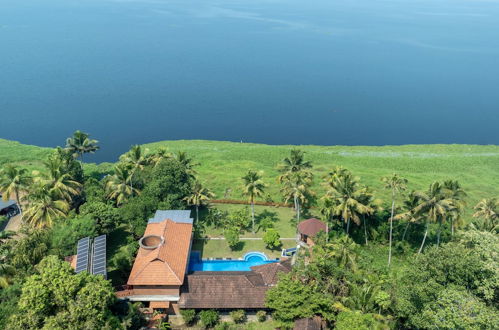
[[30, 157], [285, 220], [220, 249]]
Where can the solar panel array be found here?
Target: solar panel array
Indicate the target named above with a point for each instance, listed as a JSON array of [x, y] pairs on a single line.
[[82, 251], [99, 256]]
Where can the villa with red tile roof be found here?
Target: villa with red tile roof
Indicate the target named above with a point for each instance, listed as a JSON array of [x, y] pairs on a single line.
[[160, 281], [161, 264]]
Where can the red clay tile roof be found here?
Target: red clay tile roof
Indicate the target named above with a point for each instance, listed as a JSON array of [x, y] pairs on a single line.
[[167, 264], [231, 290], [311, 227], [270, 272]]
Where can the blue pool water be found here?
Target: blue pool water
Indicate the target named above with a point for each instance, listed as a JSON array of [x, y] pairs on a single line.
[[250, 259]]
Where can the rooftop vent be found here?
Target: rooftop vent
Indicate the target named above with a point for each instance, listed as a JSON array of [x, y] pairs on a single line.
[[151, 242]]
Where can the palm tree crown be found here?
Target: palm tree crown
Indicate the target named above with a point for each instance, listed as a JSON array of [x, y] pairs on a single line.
[[295, 162], [80, 143], [435, 206], [13, 181], [488, 210], [199, 196], [44, 206], [348, 200], [118, 186]]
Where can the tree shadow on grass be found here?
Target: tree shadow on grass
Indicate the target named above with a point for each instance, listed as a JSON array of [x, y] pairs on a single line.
[[266, 219], [239, 246]]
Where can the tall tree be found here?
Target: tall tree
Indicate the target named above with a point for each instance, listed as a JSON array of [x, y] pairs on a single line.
[[253, 187], [58, 181], [396, 185], [296, 187], [454, 191], [44, 206], [14, 181], [488, 210], [183, 158], [435, 206], [199, 196], [80, 143], [295, 162], [366, 197], [156, 157], [409, 214], [119, 185], [136, 159], [344, 189]]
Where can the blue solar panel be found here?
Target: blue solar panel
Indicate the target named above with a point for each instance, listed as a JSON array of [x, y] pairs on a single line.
[[99, 256], [82, 255]]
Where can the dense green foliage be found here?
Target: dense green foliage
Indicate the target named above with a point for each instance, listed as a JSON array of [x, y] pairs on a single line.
[[272, 238], [56, 297], [372, 224], [238, 316], [189, 315], [452, 286], [209, 318]]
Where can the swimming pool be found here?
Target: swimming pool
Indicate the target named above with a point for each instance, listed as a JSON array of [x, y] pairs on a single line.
[[250, 259]]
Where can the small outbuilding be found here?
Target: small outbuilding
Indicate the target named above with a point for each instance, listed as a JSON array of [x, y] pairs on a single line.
[[307, 230]]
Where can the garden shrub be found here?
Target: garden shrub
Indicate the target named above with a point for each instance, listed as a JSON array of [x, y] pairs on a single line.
[[238, 316], [261, 316], [189, 315], [232, 237], [271, 238], [209, 318]]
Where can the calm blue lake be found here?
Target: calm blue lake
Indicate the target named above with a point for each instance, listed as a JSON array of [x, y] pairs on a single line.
[[276, 71]]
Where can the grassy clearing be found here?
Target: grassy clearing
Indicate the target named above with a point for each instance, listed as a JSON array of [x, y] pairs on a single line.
[[222, 164], [31, 157]]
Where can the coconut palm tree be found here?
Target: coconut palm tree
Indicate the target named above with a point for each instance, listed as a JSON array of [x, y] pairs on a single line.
[[366, 197], [295, 162], [396, 185], [14, 181], [198, 197], [156, 157], [334, 173], [61, 184], [136, 159], [296, 187], [44, 206], [183, 158], [488, 210], [118, 186], [253, 187], [453, 190], [435, 206], [409, 213], [347, 195], [344, 251], [80, 143]]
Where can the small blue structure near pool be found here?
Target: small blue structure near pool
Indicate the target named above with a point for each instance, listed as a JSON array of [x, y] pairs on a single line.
[[249, 260]]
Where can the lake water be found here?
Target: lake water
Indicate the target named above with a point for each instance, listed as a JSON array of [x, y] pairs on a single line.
[[277, 71]]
